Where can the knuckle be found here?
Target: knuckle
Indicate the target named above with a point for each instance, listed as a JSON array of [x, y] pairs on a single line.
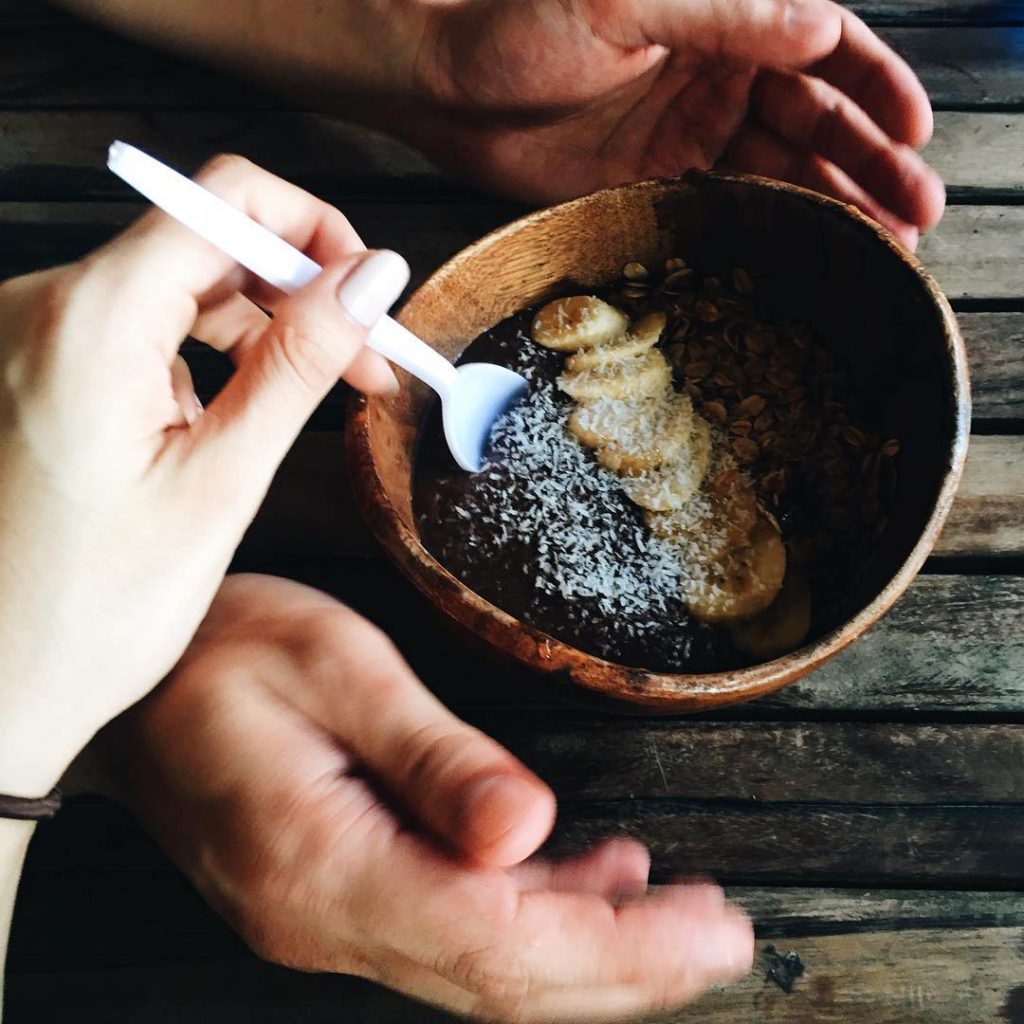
[[501, 983], [318, 638], [429, 750], [39, 311]]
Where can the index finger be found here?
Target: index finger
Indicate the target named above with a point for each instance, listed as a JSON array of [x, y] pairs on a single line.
[[176, 273], [877, 79]]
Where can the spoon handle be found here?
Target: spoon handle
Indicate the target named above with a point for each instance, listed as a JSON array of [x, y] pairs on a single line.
[[261, 251]]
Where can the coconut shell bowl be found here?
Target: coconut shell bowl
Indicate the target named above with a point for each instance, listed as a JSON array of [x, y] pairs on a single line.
[[811, 260]]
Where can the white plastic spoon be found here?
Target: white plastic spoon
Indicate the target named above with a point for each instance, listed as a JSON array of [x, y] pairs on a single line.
[[473, 396]]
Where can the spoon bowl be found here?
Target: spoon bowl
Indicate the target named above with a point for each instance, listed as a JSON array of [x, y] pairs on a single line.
[[480, 394]]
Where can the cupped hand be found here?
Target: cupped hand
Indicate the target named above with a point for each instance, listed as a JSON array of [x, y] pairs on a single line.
[[122, 500], [555, 98], [343, 820]]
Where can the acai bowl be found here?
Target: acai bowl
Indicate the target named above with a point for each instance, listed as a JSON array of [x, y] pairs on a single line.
[[747, 417]]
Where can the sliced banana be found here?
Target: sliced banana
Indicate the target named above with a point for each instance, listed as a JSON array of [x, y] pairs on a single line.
[[643, 376], [650, 443], [782, 627], [744, 582], [672, 485], [719, 523], [642, 336], [580, 321]]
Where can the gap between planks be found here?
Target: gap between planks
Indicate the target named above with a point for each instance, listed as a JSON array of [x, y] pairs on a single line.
[[974, 252], [60, 155]]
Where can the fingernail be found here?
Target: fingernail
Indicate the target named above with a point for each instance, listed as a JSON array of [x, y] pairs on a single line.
[[724, 949], [372, 288], [392, 387], [192, 410], [802, 15]]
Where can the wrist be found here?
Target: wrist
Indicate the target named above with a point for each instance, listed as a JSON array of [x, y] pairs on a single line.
[[34, 752]]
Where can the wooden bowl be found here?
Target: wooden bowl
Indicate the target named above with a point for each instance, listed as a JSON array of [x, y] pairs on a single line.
[[814, 260]]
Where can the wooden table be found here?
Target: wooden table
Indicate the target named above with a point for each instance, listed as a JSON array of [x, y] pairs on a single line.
[[871, 818]]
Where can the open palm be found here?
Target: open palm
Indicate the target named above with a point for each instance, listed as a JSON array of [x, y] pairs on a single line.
[[554, 98]]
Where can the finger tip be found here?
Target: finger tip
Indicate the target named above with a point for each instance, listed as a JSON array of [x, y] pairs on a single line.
[[723, 947], [815, 28], [505, 818]]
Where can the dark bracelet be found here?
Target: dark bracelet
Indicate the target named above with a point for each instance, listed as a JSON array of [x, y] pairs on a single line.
[[37, 808]]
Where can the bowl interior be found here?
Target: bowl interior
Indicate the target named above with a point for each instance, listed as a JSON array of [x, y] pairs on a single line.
[[811, 260]]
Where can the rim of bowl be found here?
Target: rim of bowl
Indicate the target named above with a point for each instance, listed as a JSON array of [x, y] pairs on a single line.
[[551, 658]]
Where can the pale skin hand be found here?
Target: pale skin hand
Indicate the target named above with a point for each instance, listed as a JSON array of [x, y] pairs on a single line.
[[122, 500], [554, 98], [343, 820]]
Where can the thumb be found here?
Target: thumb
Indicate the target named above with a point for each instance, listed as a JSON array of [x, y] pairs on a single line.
[[314, 337], [458, 783], [774, 33]]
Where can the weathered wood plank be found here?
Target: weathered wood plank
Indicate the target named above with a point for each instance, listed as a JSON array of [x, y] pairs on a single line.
[[61, 154], [988, 513], [973, 252], [969, 66], [823, 762], [942, 12], [309, 510], [811, 844], [976, 152], [924, 976], [952, 646], [995, 349], [83, 67]]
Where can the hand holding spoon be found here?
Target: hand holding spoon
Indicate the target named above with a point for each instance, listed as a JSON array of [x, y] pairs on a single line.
[[473, 396]]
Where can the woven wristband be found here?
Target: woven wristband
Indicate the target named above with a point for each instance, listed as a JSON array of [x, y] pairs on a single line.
[[37, 808]]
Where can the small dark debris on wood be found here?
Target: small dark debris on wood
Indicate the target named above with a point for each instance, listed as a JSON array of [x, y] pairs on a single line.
[[1013, 1009], [782, 968]]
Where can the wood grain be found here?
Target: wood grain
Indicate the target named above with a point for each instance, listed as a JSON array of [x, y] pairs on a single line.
[[918, 977], [973, 66], [60, 154], [790, 762], [812, 844], [978, 152], [952, 647], [995, 349], [941, 12], [923, 976], [973, 252], [988, 513], [309, 509]]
